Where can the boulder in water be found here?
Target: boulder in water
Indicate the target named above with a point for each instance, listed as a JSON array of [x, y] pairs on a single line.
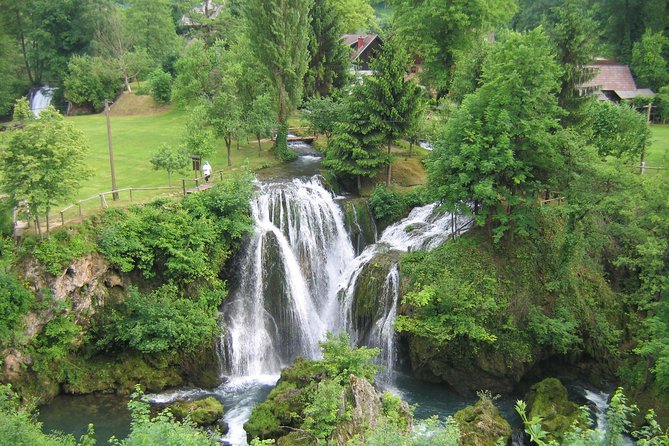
[[482, 425], [549, 401], [203, 412]]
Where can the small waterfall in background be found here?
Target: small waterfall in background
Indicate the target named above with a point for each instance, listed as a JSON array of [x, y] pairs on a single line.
[[40, 99]]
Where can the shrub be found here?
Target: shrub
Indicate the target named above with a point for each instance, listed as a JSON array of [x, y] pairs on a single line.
[[58, 251], [90, 81], [160, 86], [15, 301], [161, 321], [340, 360]]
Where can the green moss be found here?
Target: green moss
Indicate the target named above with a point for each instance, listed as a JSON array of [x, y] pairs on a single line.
[[204, 412], [548, 400], [482, 425]]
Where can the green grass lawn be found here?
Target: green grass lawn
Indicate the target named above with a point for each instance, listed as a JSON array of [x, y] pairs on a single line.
[[134, 139], [658, 153]]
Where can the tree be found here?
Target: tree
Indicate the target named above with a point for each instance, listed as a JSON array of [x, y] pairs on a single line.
[[160, 84], [198, 138], [330, 59], [648, 64], [498, 151], [436, 28], [278, 32], [259, 120], [323, 114], [356, 146], [392, 100], [115, 43], [153, 29], [169, 159], [574, 35], [44, 163], [90, 81], [192, 70], [617, 130], [12, 82], [355, 15], [224, 115]]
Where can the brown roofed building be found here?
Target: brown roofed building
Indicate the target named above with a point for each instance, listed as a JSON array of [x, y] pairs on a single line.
[[613, 82], [363, 47]]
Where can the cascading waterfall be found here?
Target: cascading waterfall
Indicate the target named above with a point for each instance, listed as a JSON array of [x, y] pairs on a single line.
[[298, 278], [40, 99], [286, 299]]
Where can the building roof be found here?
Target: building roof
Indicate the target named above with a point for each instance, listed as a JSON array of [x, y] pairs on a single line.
[[610, 75], [353, 39]]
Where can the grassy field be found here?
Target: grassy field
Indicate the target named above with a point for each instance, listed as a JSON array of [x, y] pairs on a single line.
[[658, 153], [135, 138]]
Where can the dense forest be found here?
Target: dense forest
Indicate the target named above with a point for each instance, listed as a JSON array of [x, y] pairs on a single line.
[[563, 271]]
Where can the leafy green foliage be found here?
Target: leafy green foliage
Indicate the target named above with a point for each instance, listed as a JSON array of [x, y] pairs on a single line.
[[323, 416], [323, 114], [161, 428], [90, 81], [259, 120], [355, 15], [44, 162], [160, 84], [648, 62], [278, 33], [328, 67], [499, 149], [58, 251], [618, 130], [12, 84], [185, 241], [450, 301], [436, 28], [18, 426], [428, 432], [340, 360], [389, 206], [169, 159], [193, 75], [161, 321], [15, 301]]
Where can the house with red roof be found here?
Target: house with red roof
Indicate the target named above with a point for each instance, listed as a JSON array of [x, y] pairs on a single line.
[[363, 47]]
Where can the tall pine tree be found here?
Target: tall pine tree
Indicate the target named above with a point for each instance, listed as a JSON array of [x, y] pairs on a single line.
[[392, 100], [279, 35], [329, 56]]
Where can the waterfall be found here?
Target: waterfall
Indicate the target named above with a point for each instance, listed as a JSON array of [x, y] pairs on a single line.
[[286, 300], [299, 277], [40, 99]]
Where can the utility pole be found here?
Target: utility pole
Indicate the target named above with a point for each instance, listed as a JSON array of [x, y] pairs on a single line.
[[111, 152]]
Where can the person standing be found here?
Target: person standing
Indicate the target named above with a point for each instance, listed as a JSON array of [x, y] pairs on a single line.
[[206, 171]]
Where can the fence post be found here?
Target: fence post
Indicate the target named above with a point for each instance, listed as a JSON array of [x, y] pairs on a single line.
[[183, 185], [62, 218], [197, 183], [102, 201], [80, 214], [221, 174], [131, 195]]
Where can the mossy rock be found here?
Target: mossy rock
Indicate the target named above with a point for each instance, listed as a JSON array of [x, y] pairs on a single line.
[[548, 400], [359, 222], [482, 425], [274, 417], [204, 412], [295, 439]]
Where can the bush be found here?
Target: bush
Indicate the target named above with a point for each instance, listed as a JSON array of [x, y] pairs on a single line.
[[90, 81], [63, 247], [15, 301], [160, 86], [161, 321], [340, 360]]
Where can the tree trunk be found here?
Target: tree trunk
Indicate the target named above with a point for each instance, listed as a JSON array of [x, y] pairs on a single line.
[[281, 143], [410, 148], [47, 223], [169, 178], [389, 176], [358, 178], [39, 228], [228, 145], [127, 83], [237, 142], [22, 37], [259, 146]]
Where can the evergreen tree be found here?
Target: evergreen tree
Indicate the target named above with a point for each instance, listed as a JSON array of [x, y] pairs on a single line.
[[356, 145], [329, 56], [278, 32], [393, 102], [574, 35]]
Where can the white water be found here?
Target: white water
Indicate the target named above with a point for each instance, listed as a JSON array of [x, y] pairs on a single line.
[[601, 402], [41, 99]]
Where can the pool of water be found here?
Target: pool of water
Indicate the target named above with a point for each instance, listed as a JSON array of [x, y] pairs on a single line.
[[72, 415]]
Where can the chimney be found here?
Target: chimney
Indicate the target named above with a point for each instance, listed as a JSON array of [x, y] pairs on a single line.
[[361, 42]]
